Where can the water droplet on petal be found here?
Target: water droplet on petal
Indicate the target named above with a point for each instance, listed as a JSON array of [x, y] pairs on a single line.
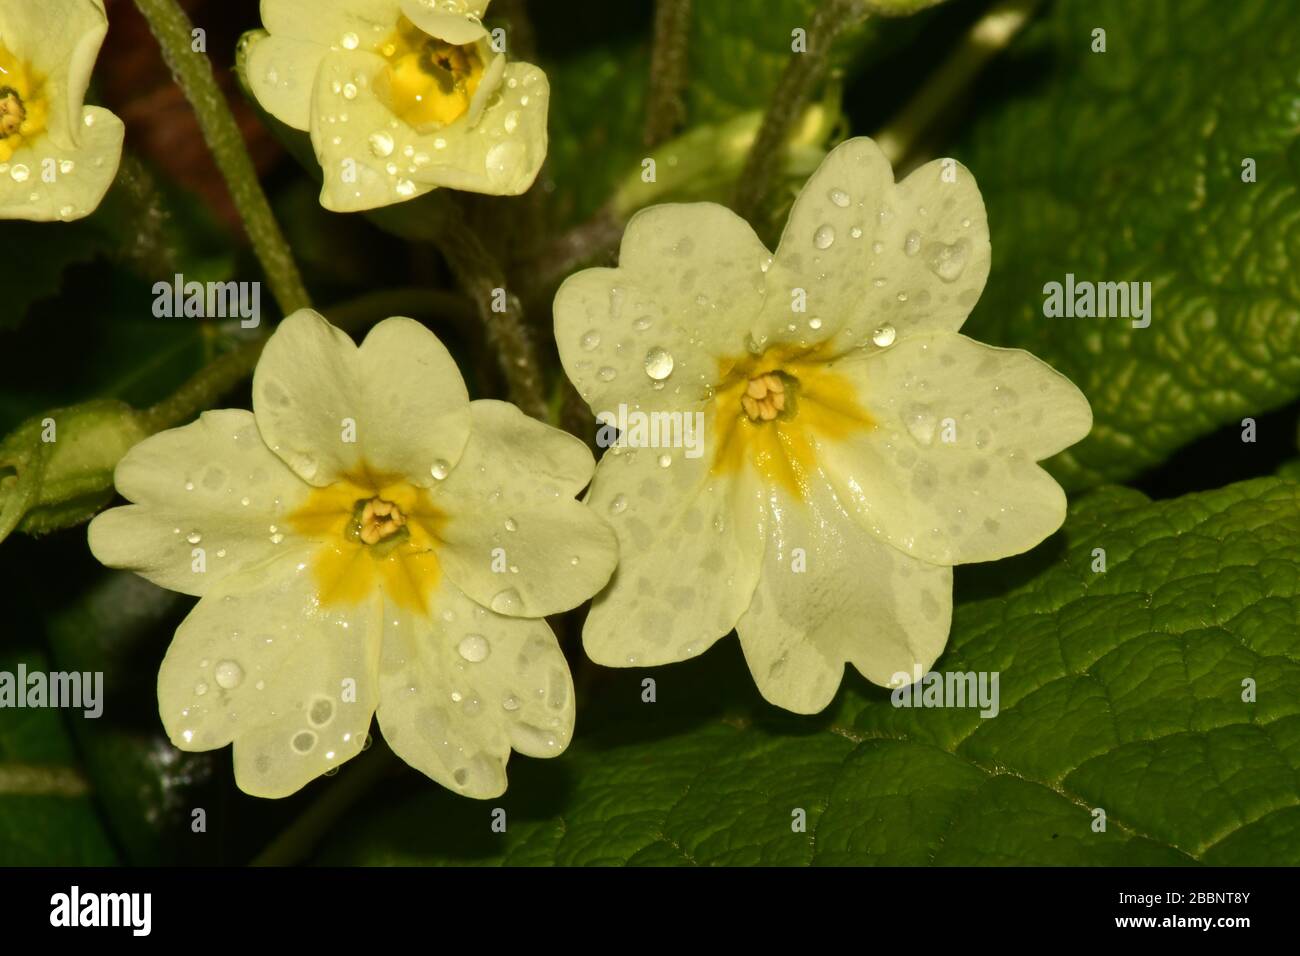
[[618, 505], [920, 422], [947, 261], [912, 244], [884, 336], [473, 647], [381, 143], [823, 237], [606, 374], [229, 674], [193, 537], [590, 340], [506, 602], [839, 197], [658, 364], [350, 41], [19, 172], [440, 469]]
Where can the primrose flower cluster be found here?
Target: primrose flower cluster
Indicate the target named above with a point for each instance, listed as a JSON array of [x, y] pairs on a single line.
[[369, 543]]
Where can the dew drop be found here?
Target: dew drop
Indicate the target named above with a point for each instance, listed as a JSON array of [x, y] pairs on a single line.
[[350, 41], [229, 674], [920, 422], [511, 121], [839, 197], [511, 703], [884, 336], [506, 602], [947, 261], [440, 469], [193, 537], [381, 144], [823, 237], [473, 647], [606, 374], [618, 505], [19, 172], [200, 688], [912, 244], [814, 324], [658, 364], [590, 340]]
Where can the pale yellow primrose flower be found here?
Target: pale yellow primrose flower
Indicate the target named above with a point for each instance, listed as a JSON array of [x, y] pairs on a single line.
[[57, 156], [854, 451], [365, 540], [400, 97]]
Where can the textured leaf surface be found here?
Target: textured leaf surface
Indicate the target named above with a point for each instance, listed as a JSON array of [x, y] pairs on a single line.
[[47, 816], [1126, 166], [1119, 690]]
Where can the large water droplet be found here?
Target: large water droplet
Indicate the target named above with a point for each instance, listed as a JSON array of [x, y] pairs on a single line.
[[947, 261], [658, 364], [824, 236], [502, 159], [440, 469], [228, 674], [884, 336], [381, 143], [920, 422], [19, 172], [839, 197], [506, 602], [590, 340], [350, 41], [607, 374], [473, 647]]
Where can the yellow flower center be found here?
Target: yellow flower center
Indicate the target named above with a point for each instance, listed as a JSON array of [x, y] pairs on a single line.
[[428, 82], [772, 409], [23, 106], [373, 531]]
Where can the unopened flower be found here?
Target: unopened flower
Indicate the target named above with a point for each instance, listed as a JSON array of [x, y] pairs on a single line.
[[365, 540], [856, 446], [400, 97], [57, 155]]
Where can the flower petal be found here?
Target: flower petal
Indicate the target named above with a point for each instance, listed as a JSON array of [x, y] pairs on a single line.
[[82, 174], [400, 393], [370, 158], [652, 333], [927, 238], [514, 538], [281, 71], [457, 692], [258, 662], [334, 24], [60, 39], [858, 600], [457, 28], [211, 487], [948, 473], [690, 544]]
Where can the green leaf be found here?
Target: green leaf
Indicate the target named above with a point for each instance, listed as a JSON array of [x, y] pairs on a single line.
[[1119, 690], [47, 816], [1127, 166]]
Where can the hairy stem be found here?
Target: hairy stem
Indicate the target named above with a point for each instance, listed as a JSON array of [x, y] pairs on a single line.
[[223, 373], [193, 72], [988, 36], [354, 781], [804, 73], [481, 278], [665, 106]]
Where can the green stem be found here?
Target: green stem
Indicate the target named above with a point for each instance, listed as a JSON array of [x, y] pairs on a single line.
[[988, 36], [803, 75], [210, 383], [193, 72], [500, 309], [354, 781], [665, 106], [25, 492]]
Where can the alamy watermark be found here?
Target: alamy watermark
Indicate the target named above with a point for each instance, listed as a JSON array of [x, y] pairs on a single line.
[[209, 300], [636, 429], [947, 689], [1102, 300], [62, 689]]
